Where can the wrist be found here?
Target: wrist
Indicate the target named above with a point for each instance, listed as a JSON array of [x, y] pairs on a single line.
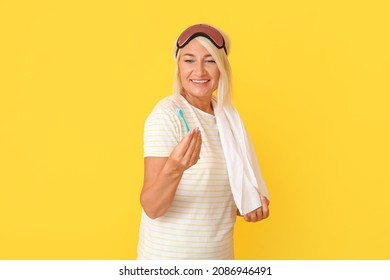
[[173, 169]]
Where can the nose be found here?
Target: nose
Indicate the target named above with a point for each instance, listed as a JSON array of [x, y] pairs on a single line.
[[200, 68]]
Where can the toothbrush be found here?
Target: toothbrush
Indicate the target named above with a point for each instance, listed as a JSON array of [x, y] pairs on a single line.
[[181, 115]]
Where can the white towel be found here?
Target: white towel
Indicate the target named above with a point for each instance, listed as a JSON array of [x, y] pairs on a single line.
[[245, 176]]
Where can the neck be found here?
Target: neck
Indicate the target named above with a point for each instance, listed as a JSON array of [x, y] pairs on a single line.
[[203, 104]]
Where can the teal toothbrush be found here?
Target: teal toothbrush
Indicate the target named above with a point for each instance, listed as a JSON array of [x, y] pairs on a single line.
[[181, 115]]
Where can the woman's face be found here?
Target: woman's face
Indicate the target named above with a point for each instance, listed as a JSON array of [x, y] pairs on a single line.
[[198, 72]]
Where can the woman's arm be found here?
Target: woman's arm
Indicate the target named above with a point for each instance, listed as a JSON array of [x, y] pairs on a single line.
[[163, 174]]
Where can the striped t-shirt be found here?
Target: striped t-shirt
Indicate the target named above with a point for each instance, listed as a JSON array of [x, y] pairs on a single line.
[[199, 223]]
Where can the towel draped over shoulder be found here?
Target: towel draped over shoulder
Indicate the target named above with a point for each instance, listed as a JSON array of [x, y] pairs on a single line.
[[245, 177]]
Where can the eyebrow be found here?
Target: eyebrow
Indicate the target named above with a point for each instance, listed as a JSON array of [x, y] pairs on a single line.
[[190, 54]]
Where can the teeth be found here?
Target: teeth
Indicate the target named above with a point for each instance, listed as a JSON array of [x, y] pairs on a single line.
[[200, 81]]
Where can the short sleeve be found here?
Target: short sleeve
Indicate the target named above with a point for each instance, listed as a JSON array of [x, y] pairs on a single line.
[[161, 133]]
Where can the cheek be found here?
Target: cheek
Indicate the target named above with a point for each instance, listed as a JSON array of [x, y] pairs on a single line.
[[183, 79], [216, 76], [180, 74], [214, 71], [216, 80], [183, 73]]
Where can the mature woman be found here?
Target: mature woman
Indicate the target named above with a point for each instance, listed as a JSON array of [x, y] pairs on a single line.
[[199, 164]]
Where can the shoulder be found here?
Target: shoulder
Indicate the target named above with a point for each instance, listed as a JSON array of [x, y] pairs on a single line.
[[169, 104], [165, 111], [166, 107]]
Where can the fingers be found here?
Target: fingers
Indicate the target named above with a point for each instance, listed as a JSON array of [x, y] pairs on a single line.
[[186, 153], [184, 144], [193, 150], [251, 216], [254, 216], [265, 207], [192, 153], [260, 213]]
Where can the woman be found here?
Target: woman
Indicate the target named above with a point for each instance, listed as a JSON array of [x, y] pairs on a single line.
[[188, 199]]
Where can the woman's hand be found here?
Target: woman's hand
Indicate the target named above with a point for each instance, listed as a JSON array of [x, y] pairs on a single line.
[[260, 213], [187, 152]]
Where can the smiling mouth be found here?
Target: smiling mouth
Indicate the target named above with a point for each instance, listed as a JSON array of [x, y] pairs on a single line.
[[199, 81]]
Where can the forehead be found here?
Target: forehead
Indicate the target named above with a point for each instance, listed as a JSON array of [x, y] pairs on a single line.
[[194, 47]]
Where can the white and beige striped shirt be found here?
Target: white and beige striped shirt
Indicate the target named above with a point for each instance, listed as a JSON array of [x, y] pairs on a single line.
[[199, 223]]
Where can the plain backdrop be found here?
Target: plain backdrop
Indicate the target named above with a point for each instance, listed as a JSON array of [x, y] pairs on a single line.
[[78, 79]]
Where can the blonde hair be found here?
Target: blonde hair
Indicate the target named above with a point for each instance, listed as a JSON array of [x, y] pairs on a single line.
[[224, 96]]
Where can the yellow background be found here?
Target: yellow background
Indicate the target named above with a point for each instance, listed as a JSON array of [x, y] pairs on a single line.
[[78, 78]]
